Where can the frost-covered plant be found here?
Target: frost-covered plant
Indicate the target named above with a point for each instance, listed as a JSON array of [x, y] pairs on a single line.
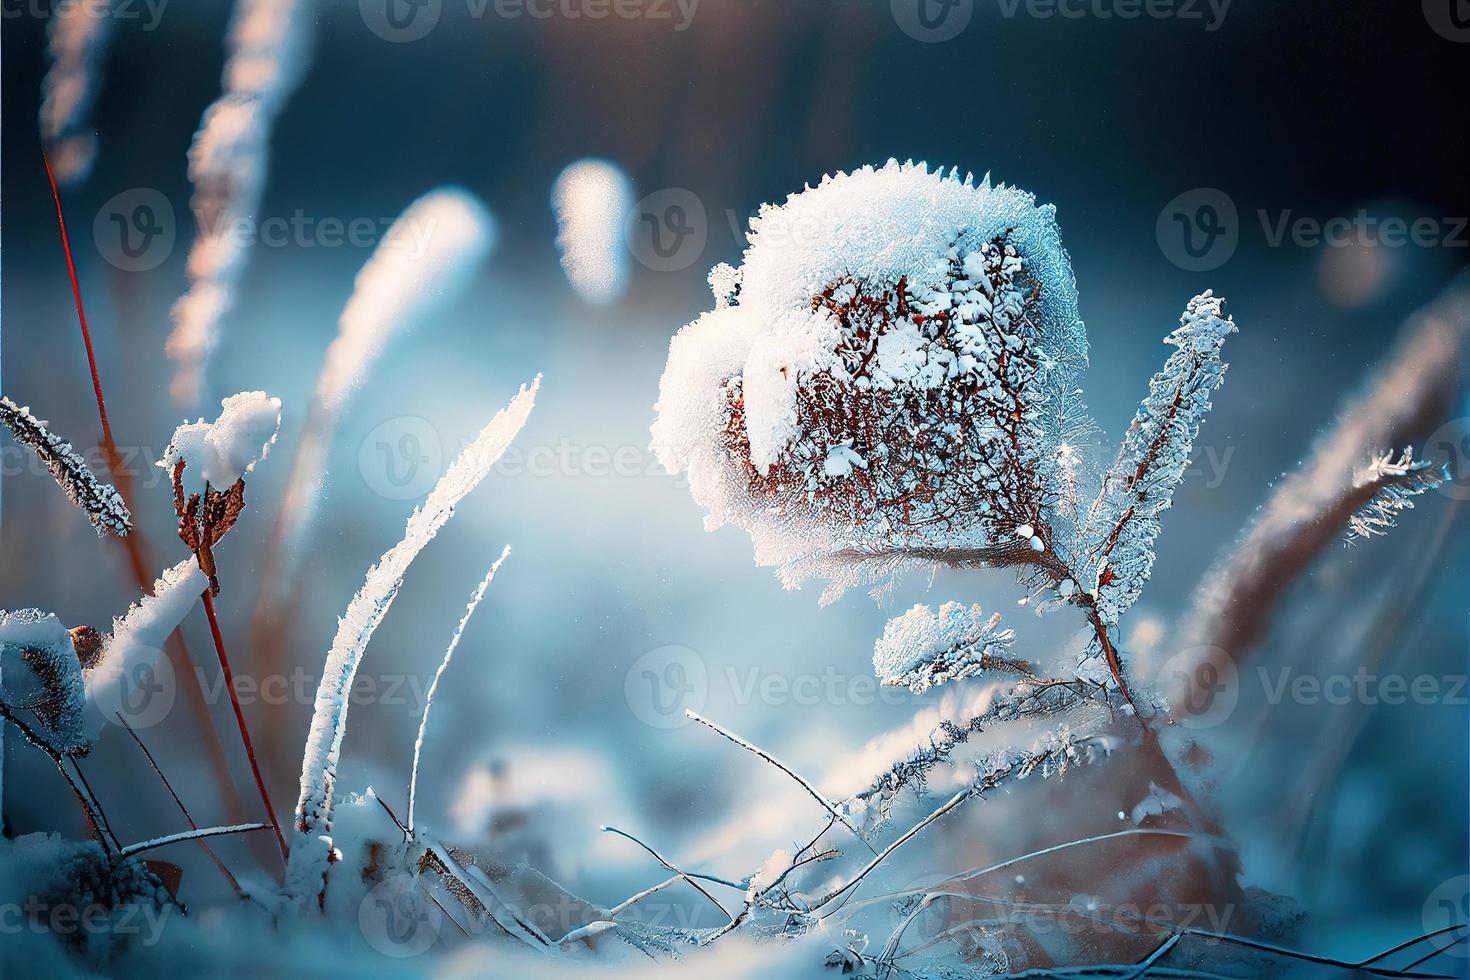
[[218, 454], [890, 379], [40, 672], [893, 365], [100, 501], [920, 649]]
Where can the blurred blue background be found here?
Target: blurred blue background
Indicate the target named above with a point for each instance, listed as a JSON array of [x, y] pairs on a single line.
[[1314, 109]]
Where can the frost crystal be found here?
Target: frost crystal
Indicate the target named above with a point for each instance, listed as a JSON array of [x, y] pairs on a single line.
[[1139, 486], [920, 649], [890, 365], [102, 503], [1394, 483], [40, 672]]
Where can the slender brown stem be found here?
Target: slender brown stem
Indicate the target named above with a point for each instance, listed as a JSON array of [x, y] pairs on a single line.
[[234, 882], [224, 663], [134, 542]]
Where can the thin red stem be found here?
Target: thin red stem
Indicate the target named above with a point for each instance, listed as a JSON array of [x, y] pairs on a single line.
[[76, 291], [224, 662], [133, 542]]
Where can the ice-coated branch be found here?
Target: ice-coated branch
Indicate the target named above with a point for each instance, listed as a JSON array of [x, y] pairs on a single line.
[[101, 502], [1406, 399], [310, 854], [418, 744], [688, 879], [195, 834], [1139, 486]]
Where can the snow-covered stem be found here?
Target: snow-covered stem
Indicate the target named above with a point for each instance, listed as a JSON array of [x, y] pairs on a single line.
[[101, 502], [355, 629], [418, 743], [833, 810], [951, 804], [627, 903], [425, 259], [229, 679], [183, 835], [1407, 397]]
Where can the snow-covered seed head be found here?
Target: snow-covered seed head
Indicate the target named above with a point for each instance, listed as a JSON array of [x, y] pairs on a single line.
[[223, 451], [887, 366]]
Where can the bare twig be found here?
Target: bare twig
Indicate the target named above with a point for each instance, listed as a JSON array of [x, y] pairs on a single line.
[[234, 882], [690, 879], [832, 809]]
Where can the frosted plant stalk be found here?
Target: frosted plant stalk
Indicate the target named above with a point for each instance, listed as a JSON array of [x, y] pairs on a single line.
[[418, 744], [269, 42], [136, 639], [311, 852], [78, 36], [101, 502], [426, 259], [591, 200]]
